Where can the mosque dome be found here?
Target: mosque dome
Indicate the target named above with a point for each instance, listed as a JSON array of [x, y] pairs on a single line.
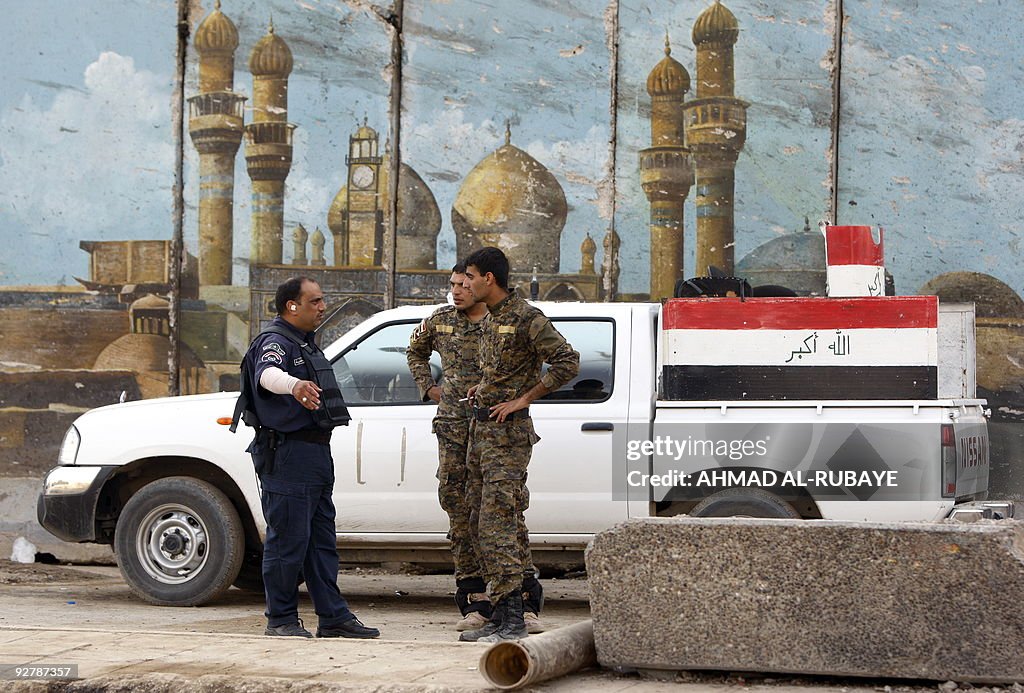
[[216, 33], [271, 56], [588, 245], [716, 24], [794, 260], [668, 76], [419, 217], [991, 297], [511, 201]]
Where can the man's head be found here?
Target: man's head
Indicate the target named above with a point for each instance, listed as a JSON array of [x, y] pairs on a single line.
[[300, 303], [487, 275], [462, 297]]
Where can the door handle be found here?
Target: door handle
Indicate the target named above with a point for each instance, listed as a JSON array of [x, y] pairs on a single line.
[[598, 426]]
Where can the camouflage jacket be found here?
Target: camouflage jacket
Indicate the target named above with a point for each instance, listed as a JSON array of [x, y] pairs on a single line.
[[456, 339], [517, 340]]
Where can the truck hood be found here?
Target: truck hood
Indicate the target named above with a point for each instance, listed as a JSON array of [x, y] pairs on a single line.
[[177, 426]]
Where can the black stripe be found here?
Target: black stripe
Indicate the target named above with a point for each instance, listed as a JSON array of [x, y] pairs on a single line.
[[690, 383]]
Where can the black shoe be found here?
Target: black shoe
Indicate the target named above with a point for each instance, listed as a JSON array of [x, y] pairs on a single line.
[[352, 628], [293, 630]]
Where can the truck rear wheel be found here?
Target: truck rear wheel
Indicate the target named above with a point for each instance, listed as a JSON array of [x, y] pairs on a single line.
[[744, 502], [179, 542]]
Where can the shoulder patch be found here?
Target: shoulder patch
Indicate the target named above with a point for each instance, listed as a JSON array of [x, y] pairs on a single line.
[[273, 347], [299, 361], [272, 357]]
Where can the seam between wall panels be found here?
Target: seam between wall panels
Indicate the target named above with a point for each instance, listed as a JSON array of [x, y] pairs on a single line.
[[175, 261], [837, 68], [608, 191]]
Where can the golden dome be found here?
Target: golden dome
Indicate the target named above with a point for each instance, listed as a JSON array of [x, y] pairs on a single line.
[[271, 56], [216, 33], [511, 201], [669, 76], [588, 245], [365, 132], [716, 24]]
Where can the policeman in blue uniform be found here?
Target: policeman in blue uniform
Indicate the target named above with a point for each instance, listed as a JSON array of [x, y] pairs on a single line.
[[292, 456]]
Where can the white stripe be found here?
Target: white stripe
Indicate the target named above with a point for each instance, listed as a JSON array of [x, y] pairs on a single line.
[[855, 280], [855, 347]]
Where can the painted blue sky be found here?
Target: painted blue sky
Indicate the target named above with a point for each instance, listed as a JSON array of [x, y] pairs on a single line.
[[930, 141]]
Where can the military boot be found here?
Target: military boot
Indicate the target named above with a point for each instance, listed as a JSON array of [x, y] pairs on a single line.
[[491, 626], [512, 625]]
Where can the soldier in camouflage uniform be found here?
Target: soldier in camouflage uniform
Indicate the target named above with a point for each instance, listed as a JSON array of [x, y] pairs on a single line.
[[454, 333], [518, 339]]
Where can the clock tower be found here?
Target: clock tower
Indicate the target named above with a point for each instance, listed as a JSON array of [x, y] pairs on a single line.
[[361, 238]]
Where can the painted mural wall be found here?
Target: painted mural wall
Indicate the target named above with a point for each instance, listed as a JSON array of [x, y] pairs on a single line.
[[610, 146]]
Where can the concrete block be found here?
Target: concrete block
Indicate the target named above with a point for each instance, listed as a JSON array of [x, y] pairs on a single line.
[[940, 601]]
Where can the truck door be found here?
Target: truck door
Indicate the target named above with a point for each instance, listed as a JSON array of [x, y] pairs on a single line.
[[570, 474], [385, 460]]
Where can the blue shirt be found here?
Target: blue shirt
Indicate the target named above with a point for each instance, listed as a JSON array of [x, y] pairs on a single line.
[[280, 412]]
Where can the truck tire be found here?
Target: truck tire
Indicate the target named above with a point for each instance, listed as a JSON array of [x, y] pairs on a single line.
[[744, 502], [179, 542]]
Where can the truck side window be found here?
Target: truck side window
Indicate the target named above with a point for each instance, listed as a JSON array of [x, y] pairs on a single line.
[[374, 370], [594, 339]]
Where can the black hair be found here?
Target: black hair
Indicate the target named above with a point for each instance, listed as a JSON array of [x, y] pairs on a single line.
[[490, 259], [290, 290], [459, 268]]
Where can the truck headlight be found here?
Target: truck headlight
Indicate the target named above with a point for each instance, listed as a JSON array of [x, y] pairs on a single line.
[[66, 481], [69, 448]]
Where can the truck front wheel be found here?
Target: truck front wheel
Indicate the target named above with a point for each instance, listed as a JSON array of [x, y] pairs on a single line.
[[744, 502], [179, 542]]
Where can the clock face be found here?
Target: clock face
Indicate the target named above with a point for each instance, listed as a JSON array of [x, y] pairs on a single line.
[[362, 176]]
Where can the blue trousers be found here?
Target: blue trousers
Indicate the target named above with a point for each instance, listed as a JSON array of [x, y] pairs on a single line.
[[301, 535]]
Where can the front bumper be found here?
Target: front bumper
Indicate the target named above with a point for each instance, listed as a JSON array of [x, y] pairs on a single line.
[[67, 506]]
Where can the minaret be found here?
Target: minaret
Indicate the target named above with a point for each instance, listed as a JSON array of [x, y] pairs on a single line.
[[588, 249], [716, 128], [299, 238], [666, 172], [268, 145], [215, 123]]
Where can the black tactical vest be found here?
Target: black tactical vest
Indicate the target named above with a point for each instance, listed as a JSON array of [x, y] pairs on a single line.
[[332, 410]]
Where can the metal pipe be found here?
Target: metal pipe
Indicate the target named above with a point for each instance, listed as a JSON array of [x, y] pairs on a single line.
[[515, 663]]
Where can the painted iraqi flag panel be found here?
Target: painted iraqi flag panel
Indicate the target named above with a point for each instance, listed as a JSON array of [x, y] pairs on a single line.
[[800, 348]]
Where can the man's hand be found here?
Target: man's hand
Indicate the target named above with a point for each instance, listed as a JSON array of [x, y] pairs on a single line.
[[307, 394], [434, 393], [500, 411], [471, 395]]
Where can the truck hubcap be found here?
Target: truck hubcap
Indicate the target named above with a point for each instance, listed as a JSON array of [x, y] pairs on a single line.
[[172, 544]]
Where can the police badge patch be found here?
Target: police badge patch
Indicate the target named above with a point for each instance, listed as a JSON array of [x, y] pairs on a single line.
[[272, 357]]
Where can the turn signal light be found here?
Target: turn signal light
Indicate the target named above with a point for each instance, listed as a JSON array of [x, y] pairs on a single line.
[[224, 421]]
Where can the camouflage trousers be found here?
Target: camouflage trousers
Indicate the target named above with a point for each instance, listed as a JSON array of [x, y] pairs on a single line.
[[452, 493], [499, 454]]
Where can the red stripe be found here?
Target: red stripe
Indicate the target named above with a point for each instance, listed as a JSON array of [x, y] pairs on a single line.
[[853, 245], [800, 313]]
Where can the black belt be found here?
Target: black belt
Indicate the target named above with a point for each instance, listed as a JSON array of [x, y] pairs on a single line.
[[309, 435], [484, 414]]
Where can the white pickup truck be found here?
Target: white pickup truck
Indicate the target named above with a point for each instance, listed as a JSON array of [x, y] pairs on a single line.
[[173, 490]]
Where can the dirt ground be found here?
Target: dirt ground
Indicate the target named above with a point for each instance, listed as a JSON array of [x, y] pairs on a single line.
[[407, 607]]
